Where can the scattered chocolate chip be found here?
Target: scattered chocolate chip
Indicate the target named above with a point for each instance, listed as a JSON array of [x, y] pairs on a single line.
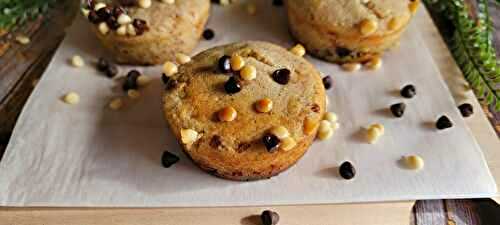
[[165, 78], [271, 142], [168, 159], [315, 108], [128, 2], [281, 76], [277, 2], [327, 82], [208, 34], [112, 23], [102, 64], [131, 80], [269, 217], [408, 91], [443, 123], [140, 26], [93, 17], [111, 71], [243, 147], [215, 142], [104, 13], [342, 52], [232, 86], [466, 109], [347, 171], [398, 109], [224, 64]]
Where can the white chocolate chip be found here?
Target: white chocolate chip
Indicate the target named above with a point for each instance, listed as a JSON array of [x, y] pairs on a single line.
[[131, 30], [310, 125], [168, 1], [414, 162], [122, 30], [22, 39], [288, 144], [143, 80], [124, 19], [332, 117], [133, 94], [77, 61], [251, 9], [85, 12], [182, 58], [264, 105], [224, 2], [298, 50], [280, 131], [116, 104], [227, 114], [325, 126], [169, 69], [144, 3], [374, 64], [335, 126], [99, 6], [351, 67], [325, 134], [237, 62], [379, 127], [368, 27], [372, 135], [71, 98], [248, 72], [188, 136], [103, 28]]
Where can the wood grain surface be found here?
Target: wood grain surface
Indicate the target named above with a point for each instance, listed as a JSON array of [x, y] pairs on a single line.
[[22, 65]]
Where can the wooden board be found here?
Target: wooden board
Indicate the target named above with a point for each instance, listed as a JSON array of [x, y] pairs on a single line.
[[391, 213]]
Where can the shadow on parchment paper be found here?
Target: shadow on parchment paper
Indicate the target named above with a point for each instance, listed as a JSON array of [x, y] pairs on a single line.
[[133, 140]]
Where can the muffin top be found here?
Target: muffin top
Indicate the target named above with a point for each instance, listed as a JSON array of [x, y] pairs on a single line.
[[199, 92], [162, 19], [343, 15]]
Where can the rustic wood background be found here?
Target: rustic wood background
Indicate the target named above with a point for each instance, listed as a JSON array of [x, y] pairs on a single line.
[[22, 65]]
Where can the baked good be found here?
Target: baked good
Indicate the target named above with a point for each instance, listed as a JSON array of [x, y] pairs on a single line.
[[349, 30], [148, 31], [248, 124]]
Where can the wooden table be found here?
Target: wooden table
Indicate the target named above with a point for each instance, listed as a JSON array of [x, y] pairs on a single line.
[[22, 65]]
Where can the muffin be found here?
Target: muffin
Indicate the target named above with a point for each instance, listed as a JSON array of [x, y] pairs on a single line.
[[245, 111], [349, 30], [147, 32]]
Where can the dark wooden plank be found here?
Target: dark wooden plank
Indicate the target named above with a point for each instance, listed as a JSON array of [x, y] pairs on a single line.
[[429, 212]]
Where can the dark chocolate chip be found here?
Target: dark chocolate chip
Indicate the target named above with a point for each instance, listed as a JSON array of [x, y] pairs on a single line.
[[140, 26], [342, 52], [269, 217], [408, 91], [466, 109], [443, 123], [208, 34], [243, 147], [327, 82], [232, 86], [347, 171], [168, 159], [111, 71], [112, 23], [128, 2], [90, 4], [117, 11], [281, 76], [104, 13], [398, 109], [172, 84], [93, 17], [216, 141], [271, 142], [102, 64], [165, 78], [277, 2], [224, 64], [131, 80]]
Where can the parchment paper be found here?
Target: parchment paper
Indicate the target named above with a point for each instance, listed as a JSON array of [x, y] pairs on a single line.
[[88, 155]]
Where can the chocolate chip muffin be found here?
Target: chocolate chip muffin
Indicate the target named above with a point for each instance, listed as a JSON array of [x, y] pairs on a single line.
[[147, 32], [349, 30], [245, 111]]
